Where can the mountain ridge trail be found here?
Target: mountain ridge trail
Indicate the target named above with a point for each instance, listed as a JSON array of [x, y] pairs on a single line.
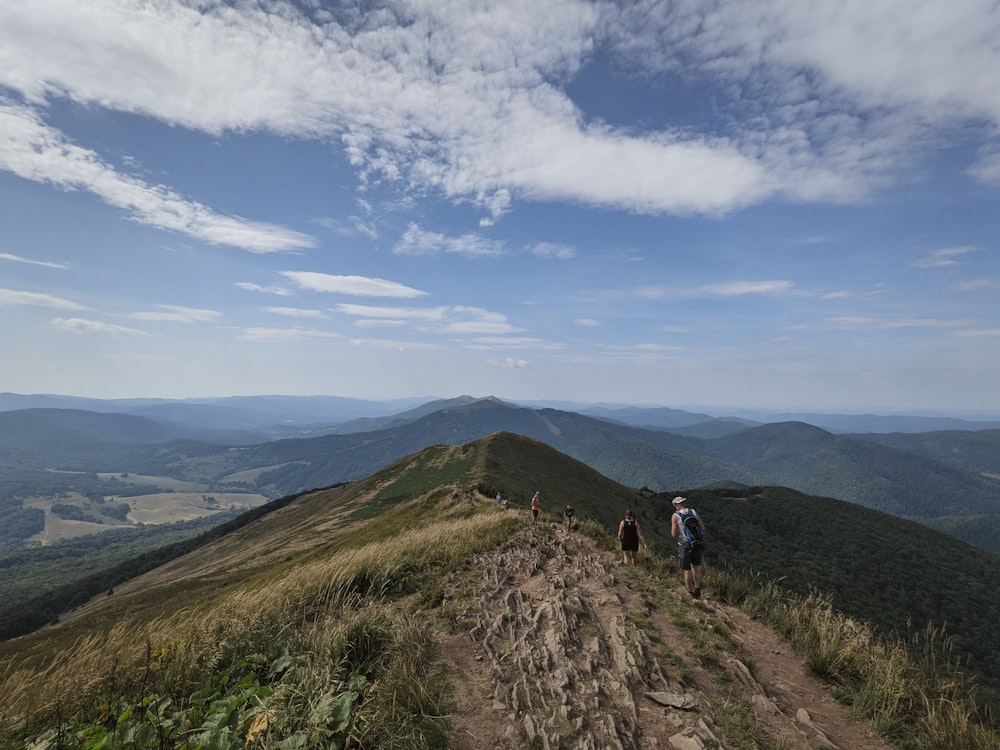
[[549, 648]]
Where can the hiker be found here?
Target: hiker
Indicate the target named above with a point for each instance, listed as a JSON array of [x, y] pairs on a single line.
[[630, 534], [568, 517], [499, 498], [689, 551], [535, 507]]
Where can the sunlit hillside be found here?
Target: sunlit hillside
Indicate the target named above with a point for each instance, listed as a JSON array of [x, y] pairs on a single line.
[[410, 610]]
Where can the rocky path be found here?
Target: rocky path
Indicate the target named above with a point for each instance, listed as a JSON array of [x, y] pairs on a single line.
[[551, 650]]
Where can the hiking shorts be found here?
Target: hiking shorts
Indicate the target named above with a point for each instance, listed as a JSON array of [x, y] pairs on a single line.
[[688, 557]]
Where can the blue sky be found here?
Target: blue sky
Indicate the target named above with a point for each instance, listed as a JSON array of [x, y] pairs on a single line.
[[769, 204]]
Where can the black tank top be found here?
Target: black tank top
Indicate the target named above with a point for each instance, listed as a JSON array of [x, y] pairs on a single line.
[[629, 534]]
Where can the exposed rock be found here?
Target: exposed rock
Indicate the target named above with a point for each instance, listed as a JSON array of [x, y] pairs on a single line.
[[557, 660], [687, 740], [685, 702]]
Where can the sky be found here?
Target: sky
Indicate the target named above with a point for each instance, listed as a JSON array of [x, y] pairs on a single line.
[[771, 204]]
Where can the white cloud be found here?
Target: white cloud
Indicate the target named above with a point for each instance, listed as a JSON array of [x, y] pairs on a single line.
[[387, 344], [739, 288], [849, 88], [358, 286], [417, 241], [178, 314], [252, 287], [284, 334], [943, 257], [468, 101], [586, 322], [394, 313], [850, 322], [986, 169], [509, 363], [29, 261], [84, 326], [458, 319], [295, 312], [553, 250], [975, 285], [514, 342], [379, 323], [34, 151], [36, 299]]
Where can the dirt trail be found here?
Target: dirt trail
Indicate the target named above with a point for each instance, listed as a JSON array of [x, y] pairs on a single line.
[[555, 652]]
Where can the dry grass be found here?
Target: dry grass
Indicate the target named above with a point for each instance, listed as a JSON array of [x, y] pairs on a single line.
[[303, 609], [909, 692]]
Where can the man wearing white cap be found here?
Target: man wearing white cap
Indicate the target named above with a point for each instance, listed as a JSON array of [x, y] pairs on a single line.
[[690, 545]]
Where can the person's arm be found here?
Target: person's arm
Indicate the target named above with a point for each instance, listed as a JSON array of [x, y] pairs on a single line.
[[674, 530], [642, 539], [621, 528]]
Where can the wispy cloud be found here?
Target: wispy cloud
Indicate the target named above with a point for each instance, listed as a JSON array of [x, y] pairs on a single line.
[[178, 314], [35, 151], [252, 287], [266, 334], [456, 319], [417, 241], [740, 288], [514, 342], [29, 261], [83, 326], [943, 257], [36, 299], [974, 285], [883, 72], [295, 312], [979, 332], [553, 251], [491, 131], [510, 132], [851, 322], [357, 286], [391, 345], [509, 363]]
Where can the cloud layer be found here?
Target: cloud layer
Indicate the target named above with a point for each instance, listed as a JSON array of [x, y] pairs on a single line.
[[849, 89]]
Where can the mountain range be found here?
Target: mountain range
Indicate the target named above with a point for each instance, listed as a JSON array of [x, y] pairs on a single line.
[[419, 559], [947, 479]]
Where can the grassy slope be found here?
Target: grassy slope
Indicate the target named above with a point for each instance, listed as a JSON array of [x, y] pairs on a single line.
[[393, 530], [865, 560]]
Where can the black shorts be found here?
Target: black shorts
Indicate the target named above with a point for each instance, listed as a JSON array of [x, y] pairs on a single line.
[[688, 557]]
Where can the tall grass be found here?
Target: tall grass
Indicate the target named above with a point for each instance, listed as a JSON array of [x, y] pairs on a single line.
[[313, 655], [910, 692]]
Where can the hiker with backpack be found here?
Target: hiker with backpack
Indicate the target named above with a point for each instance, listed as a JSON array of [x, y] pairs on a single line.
[[630, 534], [569, 516], [689, 531]]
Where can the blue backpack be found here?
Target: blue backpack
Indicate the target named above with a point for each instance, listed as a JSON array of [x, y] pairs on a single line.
[[691, 530]]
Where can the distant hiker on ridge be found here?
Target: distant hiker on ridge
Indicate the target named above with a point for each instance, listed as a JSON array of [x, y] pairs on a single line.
[[568, 516], [536, 506], [630, 534], [689, 531]]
